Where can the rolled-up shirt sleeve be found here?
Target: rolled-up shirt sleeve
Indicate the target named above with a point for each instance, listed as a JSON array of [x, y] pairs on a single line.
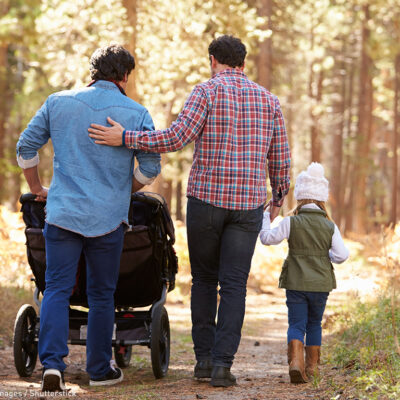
[[34, 137], [149, 163], [279, 158]]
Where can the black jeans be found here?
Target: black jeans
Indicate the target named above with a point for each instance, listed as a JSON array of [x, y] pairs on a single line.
[[221, 245]]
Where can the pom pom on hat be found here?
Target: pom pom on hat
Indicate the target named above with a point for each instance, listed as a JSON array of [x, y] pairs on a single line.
[[316, 169], [312, 184]]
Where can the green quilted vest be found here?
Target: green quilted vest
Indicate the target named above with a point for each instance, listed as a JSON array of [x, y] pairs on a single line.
[[307, 266]]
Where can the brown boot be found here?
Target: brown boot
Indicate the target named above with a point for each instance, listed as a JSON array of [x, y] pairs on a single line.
[[312, 360], [296, 362]]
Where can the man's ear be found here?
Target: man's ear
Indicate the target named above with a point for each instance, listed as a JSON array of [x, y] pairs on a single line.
[[125, 77], [242, 67], [214, 62]]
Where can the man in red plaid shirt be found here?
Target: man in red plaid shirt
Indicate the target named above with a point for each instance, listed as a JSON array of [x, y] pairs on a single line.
[[238, 130]]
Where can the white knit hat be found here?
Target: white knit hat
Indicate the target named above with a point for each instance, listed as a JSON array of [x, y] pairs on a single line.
[[312, 184]]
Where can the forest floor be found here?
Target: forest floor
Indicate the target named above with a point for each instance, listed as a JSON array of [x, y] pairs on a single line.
[[260, 364]]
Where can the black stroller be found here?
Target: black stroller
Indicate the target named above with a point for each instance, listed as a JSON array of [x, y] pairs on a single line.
[[147, 272]]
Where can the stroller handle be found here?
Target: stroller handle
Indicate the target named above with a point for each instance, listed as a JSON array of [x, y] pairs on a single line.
[[27, 197]]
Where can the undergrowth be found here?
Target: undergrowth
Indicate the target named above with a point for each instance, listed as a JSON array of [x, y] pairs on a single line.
[[365, 351]]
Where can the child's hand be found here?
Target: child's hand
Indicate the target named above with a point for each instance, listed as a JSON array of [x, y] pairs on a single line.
[[274, 212], [267, 206]]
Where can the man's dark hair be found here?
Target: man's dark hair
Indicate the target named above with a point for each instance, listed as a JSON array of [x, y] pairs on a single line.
[[111, 62], [228, 50]]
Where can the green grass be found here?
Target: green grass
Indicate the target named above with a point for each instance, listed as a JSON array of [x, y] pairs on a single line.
[[364, 350], [11, 299]]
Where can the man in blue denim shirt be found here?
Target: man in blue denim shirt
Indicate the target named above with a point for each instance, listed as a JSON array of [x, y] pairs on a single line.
[[87, 207]]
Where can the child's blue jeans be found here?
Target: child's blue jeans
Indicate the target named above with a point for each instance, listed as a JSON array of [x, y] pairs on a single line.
[[305, 311]]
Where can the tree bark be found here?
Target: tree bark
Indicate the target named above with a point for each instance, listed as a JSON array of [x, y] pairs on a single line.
[[315, 129], [314, 100], [289, 130], [264, 59], [395, 160], [163, 185], [4, 111], [348, 193], [363, 130], [131, 10], [178, 194], [337, 147]]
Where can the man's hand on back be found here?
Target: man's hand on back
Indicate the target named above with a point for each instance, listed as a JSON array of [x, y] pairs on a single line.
[[110, 136]]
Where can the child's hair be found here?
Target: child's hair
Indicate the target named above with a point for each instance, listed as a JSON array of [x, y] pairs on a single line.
[[303, 202]]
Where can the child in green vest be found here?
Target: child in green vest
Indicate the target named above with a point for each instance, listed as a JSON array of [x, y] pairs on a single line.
[[307, 273]]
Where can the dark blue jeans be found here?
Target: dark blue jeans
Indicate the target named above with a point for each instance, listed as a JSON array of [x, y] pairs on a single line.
[[305, 311], [221, 245], [102, 254]]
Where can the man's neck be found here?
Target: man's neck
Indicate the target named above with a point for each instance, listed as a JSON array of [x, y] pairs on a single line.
[[123, 84], [120, 84], [223, 67]]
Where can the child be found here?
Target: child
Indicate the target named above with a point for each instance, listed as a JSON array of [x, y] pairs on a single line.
[[307, 273]]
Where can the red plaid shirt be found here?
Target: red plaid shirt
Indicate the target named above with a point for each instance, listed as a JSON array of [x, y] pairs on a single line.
[[237, 127]]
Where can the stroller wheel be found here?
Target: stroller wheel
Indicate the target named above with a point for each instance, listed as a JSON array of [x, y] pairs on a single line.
[[24, 345], [160, 342], [123, 355]]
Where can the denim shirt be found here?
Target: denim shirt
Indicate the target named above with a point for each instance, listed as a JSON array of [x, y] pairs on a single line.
[[91, 185]]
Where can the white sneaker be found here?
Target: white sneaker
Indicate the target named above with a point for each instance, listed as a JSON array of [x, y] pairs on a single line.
[[112, 377], [53, 381]]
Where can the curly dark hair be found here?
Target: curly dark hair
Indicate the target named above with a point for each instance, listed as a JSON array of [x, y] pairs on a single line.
[[111, 62], [228, 50]]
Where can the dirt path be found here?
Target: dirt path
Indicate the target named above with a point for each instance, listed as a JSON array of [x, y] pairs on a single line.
[[260, 365]]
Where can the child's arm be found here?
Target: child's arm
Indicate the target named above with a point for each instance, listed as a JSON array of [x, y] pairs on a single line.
[[270, 236], [338, 252]]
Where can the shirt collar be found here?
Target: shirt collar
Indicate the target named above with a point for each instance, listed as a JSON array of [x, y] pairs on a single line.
[[311, 205], [106, 85], [230, 71]]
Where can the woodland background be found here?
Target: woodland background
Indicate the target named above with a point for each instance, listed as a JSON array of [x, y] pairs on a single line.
[[334, 64]]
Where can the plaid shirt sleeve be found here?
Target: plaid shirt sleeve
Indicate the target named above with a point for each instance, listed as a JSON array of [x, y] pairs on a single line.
[[185, 129], [279, 159]]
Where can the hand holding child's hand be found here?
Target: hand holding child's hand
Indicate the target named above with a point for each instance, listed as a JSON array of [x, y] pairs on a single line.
[[274, 212]]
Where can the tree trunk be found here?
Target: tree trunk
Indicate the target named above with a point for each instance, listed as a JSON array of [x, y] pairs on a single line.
[[348, 192], [167, 192], [314, 100], [363, 130], [131, 10], [14, 128], [337, 147], [395, 161], [4, 110], [315, 129], [289, 130], [178, 192], [163, 185], [264, 59]]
